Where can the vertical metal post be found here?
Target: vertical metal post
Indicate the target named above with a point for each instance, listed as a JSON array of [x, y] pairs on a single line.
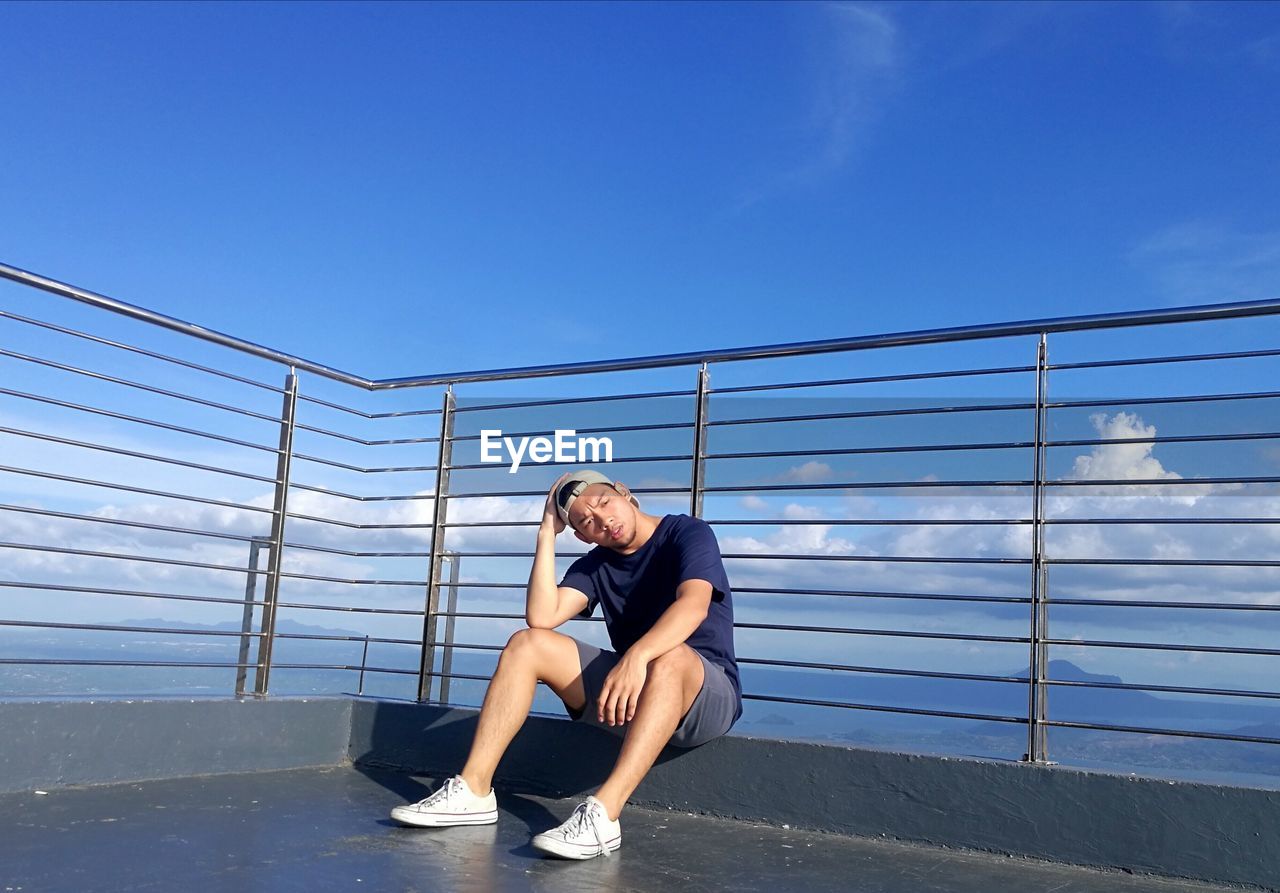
[[444, 457], [364, 659], [446, 663], [699, 444], [1037, 706], [280, 506], [246, 620]]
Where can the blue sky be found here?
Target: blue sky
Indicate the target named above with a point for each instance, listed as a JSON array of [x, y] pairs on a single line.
[[398, 189], [577, 180]]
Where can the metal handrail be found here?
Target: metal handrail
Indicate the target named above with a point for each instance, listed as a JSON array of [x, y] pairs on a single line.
[[1048, 325], [1037, 719]]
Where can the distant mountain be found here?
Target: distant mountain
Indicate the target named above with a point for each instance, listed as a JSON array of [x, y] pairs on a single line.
[[283, 625]]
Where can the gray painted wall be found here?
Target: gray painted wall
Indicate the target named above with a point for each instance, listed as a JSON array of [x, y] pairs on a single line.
[[54, 743], [1183, 829]]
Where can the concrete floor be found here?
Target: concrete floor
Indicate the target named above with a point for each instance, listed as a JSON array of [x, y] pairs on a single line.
[[327, 829]]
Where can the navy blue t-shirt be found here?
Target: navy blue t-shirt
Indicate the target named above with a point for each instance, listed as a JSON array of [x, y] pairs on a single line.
[[634, 590]]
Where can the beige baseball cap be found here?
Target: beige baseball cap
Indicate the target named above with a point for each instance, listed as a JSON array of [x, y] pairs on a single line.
[[573, 486]]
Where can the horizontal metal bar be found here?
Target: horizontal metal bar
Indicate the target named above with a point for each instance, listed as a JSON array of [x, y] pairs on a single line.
[[48, 475], [883, 708], [893, 633], [151, 389], [892, 559], [108, 627], [123, 556], [140, 351], [860, 485], [810, 702], [1174, 689], [474, 615], [491, 524], [95, 590], [360, 440], [1134, 603], [872, 414], [353, 667], [869, 522], [1165, 438], [351, 525], [873, 379], [875, 451], [1145, 361], [348, 467], [464, 584], [350, 554], [1078, 482], [404, 413], [349, 609], [565, 401], [351, 638], [208, 435], [871, 593], [1146, 730], [957, 637], [351, 496], [331, 405], [1162, 521], [465, 646], [323, 579], [1163, 562], [120, 522], [1158, 646], [368, 415], [802, 556], [1200, 313], [177, 325], [617, 460], [807, 665], [639, 490], [134, 454], [73, 662], [1160, 401], [604, 429], [882, 671], [1164, 316]]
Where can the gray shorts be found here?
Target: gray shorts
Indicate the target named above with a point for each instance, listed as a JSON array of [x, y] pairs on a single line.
[[710, 715]]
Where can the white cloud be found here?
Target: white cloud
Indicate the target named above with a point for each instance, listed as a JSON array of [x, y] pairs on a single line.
[[809, 472], [1203, 261], [853, 62]]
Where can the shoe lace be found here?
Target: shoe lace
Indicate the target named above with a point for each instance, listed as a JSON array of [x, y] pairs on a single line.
[[584, 817], [452, 786]]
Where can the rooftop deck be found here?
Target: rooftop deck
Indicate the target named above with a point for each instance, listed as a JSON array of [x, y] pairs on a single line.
[[327, 829]]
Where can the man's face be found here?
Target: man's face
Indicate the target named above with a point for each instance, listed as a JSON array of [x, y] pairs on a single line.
[[602, 516]]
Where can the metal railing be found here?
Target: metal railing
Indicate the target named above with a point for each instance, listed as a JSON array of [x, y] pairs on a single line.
[[701, 429]]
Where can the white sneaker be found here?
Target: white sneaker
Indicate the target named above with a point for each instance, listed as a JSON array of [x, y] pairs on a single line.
[[453, 804], [586, 833]]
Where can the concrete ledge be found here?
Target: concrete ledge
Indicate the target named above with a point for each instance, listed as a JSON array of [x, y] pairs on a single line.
[[1181, 829], [55, 743]]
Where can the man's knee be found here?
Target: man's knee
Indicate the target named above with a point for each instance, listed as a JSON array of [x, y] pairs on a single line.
[[531, 645], [677, 663]]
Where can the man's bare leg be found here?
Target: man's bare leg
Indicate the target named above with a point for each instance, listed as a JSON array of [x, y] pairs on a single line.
[[530, 655], [669, 691]]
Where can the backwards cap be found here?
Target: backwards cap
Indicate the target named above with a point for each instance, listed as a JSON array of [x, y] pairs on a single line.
[[573, 486]]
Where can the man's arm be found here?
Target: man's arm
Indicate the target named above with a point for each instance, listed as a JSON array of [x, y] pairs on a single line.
[[544, 605], [547, 605], [620, 693], [677, 623]]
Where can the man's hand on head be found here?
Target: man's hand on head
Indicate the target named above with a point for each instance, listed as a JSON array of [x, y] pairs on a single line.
[[550, 514]]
